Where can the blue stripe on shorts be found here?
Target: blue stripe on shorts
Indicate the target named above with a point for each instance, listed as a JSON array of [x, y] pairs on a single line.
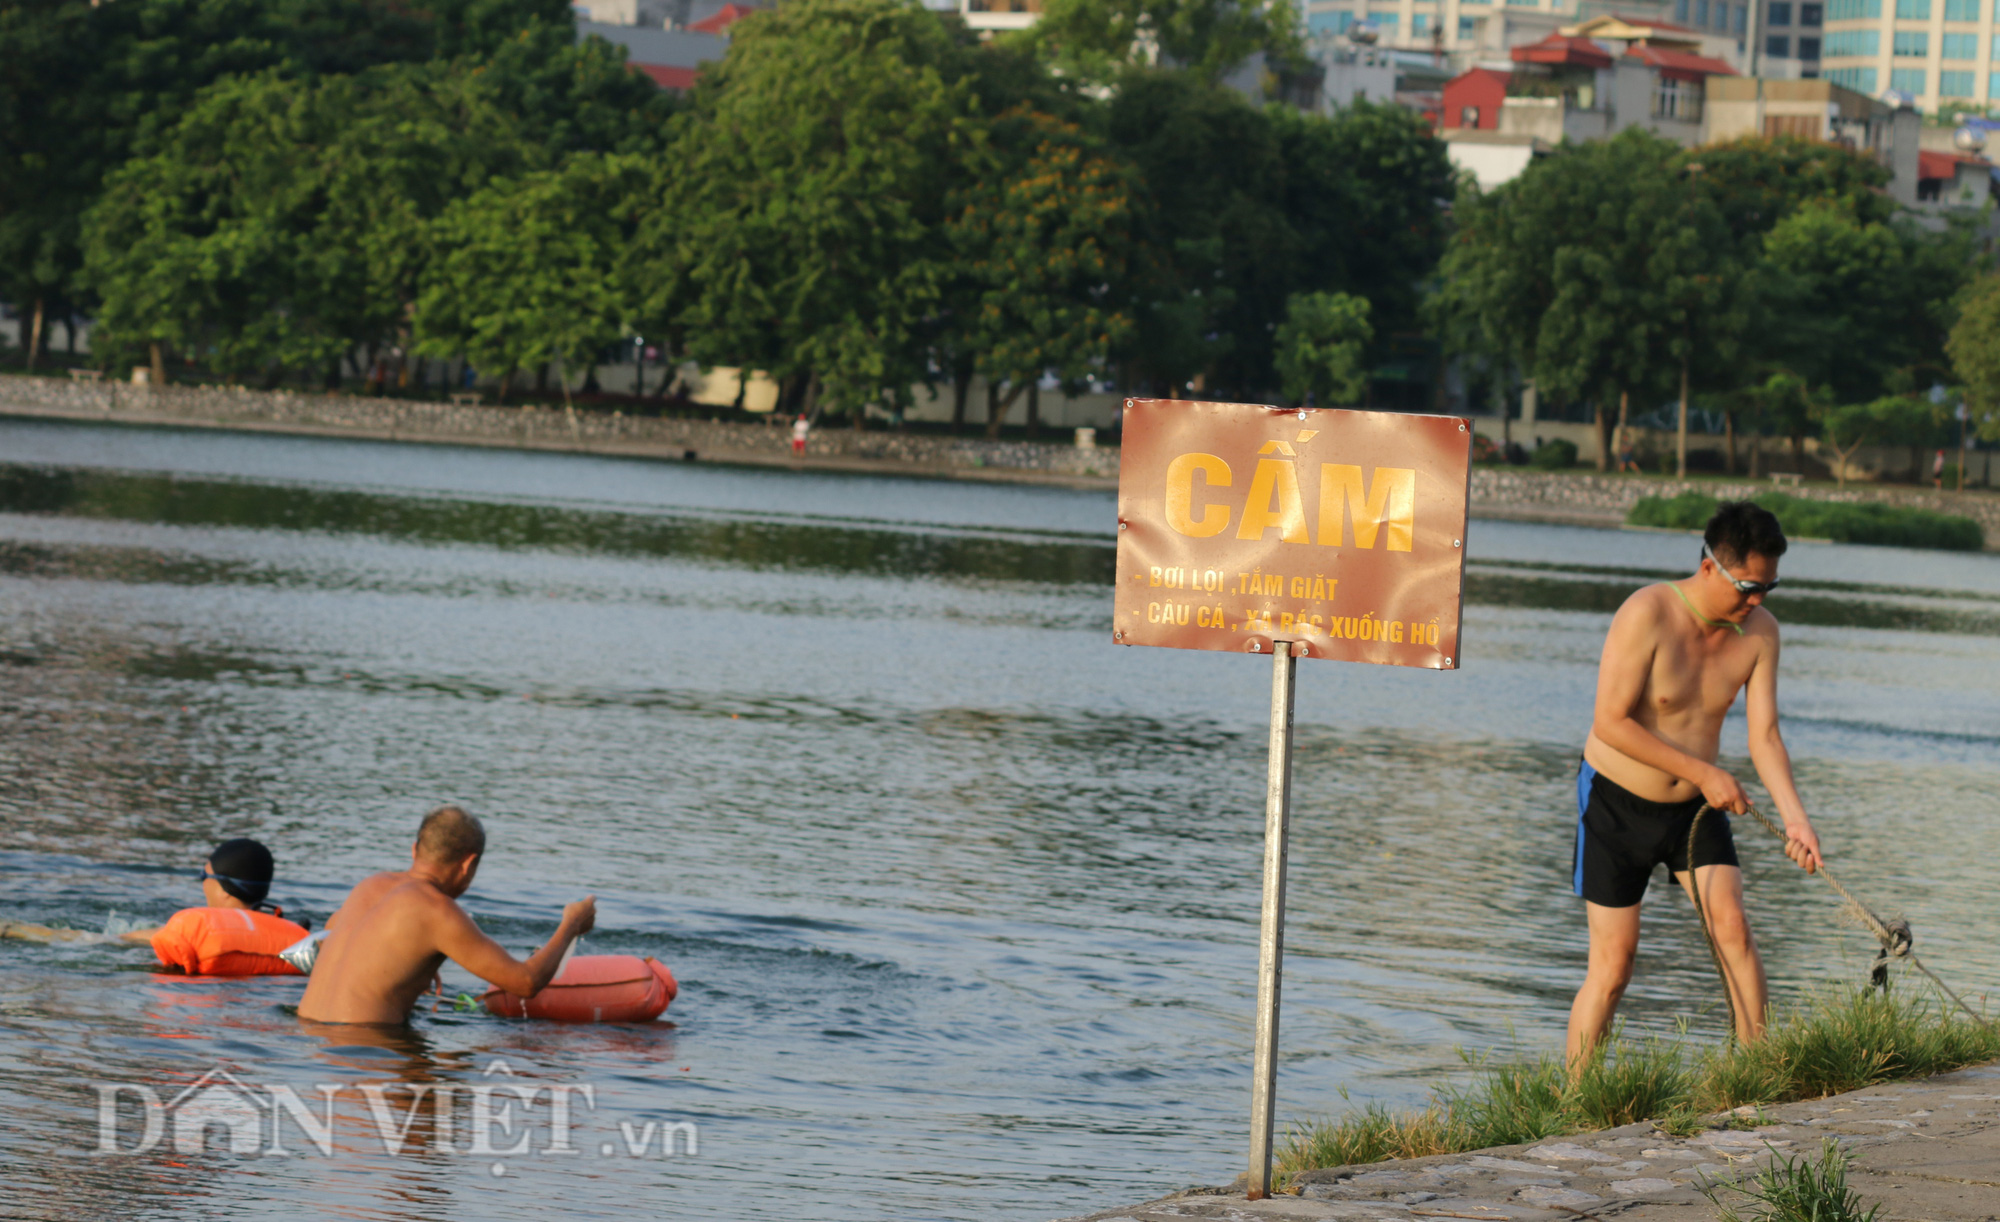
[[1585, 774]]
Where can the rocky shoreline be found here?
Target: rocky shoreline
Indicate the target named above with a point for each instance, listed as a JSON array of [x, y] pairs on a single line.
[[1925, 1149], [536, 427], [1567, 498]]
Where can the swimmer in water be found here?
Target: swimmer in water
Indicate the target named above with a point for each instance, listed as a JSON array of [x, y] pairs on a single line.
[[231, 934], [384, 946]]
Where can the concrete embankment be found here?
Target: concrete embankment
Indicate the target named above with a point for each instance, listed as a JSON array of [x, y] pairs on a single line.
[[1569, 498], [1582, 499], [545, 428], [1926, 1149]]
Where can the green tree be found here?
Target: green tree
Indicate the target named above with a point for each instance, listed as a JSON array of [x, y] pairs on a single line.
[[1243, 207], [84, 88], [1215, 237], [539, 269], [1850, 310], [281, 221], [1890, 420], [805, 230], [1367, 190], [1758, 181], [1974, 347], [1098, 40], [1601, 271], [1042, 231], [1321, 348]]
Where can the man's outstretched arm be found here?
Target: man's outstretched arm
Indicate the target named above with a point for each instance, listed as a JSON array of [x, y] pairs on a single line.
[[1773, 762], [467, 945], [1621, 684]]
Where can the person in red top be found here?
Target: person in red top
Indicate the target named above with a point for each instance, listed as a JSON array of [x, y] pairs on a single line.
[[231, 935]]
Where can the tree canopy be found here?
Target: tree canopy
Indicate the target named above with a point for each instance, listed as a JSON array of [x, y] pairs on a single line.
[[1612, 267], [283, 221], [539, 269], [805, 231], [1974, 347]]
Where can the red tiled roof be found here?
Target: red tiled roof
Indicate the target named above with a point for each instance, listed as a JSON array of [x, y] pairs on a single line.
[[1944, 165], [1565, 50], [668, 78], [1480, 74], [1681, 65], [729, 15]]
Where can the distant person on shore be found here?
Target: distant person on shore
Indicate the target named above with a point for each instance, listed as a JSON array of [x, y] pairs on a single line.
[[801, 428], [1676, 657], [1937, 471], [1627, 459], [384, 946]]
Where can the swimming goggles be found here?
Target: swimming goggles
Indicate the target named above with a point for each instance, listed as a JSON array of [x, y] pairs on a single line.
[[1742, 587], [245, 883]]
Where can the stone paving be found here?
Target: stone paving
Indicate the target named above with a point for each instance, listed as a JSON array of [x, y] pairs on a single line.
[[1926, 1151]]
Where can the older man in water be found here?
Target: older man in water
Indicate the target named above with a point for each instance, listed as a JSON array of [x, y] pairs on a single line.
[[392, 933], [1674, 660]]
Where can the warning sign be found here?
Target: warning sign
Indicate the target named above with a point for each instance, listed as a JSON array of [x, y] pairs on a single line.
[[1341, 532]]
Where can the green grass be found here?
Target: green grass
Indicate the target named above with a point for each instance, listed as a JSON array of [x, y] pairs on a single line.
[[1842, 1041], [1795, 1190], [1841, 521]]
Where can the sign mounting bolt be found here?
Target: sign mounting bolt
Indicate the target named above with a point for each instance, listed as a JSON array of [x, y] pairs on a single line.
[[1455, 542]]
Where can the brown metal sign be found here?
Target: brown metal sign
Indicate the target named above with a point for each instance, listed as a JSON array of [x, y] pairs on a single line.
[[1341, 532]]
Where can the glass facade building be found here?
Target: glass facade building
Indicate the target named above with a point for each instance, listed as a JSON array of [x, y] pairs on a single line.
[[1940, 52]]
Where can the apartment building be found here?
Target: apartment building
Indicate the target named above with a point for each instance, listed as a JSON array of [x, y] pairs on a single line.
[[1463, 30], [1937, 52], [1793, 31]]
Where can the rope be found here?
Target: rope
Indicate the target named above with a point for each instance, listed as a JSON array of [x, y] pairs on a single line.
[[1896, 939]]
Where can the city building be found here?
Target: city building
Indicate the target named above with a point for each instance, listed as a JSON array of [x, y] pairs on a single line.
[[671, 59], [1955, 180], [702, 16], [1476, 33], [1566, 88], [1792, 33], [1935, 52], [1570, 87]]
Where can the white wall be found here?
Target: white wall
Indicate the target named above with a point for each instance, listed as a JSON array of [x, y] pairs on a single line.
[[1489, 164]]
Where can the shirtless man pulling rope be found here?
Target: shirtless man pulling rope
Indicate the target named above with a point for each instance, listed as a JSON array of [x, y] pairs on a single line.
[[1674, 660]]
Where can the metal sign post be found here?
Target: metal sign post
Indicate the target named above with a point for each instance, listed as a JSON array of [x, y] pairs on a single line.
[[1302, 534], [1271, 937]]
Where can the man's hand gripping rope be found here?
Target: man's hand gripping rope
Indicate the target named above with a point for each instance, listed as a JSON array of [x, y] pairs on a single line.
[[1896, 938]]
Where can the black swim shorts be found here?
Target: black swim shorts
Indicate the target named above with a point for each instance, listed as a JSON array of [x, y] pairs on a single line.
[[1620, 837]]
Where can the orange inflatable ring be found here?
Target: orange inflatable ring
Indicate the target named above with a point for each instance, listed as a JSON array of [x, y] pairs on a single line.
[[595, 989], [227, 942]]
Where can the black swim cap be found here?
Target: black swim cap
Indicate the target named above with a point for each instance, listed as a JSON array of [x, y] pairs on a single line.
[[246, 868]]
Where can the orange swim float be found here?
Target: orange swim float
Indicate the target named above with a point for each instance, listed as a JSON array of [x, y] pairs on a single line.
[[227, 942], [595, 989]]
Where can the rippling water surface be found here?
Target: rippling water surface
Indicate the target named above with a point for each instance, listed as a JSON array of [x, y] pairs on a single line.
[[962, 897]]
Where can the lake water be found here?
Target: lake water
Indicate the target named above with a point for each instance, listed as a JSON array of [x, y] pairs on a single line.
[[962, 897]]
